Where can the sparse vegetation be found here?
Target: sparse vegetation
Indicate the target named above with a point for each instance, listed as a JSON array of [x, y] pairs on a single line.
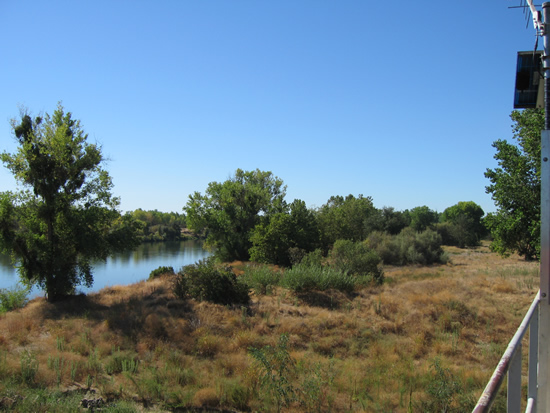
[[428, 338]]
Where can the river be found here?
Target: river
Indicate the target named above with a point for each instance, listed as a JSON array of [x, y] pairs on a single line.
[[124, 268]]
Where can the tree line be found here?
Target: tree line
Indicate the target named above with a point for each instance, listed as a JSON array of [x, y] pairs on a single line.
[[160, 226], [247, 218], [65, 217]]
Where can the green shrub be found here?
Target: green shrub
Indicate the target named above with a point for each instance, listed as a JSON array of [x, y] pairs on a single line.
[[446, 232], [121, 361], [261, 279], [386, 247], [13, 298], [296, 255], [427, 245], [356, 258], [161, 271], [206, 281], [459, 233], [29, 366], [275, 369], [446, 393], [408, 247], [304, 278], [313, 258]]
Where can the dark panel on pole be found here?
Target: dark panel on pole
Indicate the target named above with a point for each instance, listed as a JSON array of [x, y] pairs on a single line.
[[529, 85]]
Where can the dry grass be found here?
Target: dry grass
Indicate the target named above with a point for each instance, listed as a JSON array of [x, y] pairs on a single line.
[[368, 351]]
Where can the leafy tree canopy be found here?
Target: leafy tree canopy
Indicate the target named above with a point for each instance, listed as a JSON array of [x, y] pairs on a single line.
[[229, 211], [515, 188], [394, 221], [65, 217], [422, 218], [348, 218], [295, 229]]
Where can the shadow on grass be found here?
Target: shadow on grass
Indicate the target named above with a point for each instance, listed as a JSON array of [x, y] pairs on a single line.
[[72, 306]]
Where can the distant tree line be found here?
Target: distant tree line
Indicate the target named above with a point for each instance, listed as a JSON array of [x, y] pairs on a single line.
[[160, 226]]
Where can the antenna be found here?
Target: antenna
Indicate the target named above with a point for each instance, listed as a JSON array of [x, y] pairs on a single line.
[[530, 10]]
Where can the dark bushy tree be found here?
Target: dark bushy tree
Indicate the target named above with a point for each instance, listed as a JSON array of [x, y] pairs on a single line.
[[394, 221], [67, 217], [465, 227], [515, 188]]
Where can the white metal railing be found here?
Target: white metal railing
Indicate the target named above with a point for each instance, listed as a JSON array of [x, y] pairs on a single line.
[[511, 363]]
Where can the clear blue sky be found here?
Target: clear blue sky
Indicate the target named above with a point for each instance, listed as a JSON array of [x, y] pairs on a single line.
[[399, 101]]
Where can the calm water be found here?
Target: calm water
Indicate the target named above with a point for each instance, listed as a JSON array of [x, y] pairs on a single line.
[[125, 268]]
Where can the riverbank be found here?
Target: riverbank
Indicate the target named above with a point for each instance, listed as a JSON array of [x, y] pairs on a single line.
[[126, 267], [379, 349]]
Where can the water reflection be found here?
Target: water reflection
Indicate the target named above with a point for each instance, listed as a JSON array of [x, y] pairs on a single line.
[[128, 267]]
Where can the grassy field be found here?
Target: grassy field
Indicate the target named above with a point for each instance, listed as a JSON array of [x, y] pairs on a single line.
[[427, 339]]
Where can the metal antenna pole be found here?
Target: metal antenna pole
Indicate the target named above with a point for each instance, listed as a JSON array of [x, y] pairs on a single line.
[[543, 379]]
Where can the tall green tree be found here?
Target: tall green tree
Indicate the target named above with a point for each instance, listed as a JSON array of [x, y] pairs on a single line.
[[230, 210], [65, 217], [422, 217], [393, 221], [273, 240], [515, 188], [349, 218]]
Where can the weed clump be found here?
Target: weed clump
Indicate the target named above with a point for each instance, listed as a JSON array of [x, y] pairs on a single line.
[[275, 369], [446, 393]]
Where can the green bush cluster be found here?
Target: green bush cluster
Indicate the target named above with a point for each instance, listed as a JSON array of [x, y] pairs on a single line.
[[446, 393], [356, 259], [160, 271], [207, 281], [457, 235], [304, 278], [260, 278], [349, 266], [13, 298], [408, 247]]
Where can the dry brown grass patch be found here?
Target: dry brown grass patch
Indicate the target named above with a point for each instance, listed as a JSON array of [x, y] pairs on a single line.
[[206, 397], [379, 340]]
